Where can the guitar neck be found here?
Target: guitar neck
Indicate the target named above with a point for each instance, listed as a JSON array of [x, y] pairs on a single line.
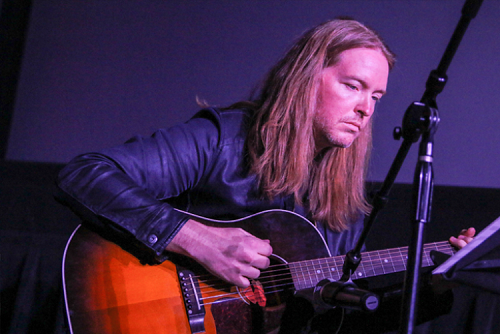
[[306, 274]]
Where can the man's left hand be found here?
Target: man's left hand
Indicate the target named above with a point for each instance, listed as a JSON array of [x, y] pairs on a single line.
[[464, 238]]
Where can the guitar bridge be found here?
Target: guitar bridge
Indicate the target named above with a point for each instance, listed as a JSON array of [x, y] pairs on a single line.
[[193, 303]]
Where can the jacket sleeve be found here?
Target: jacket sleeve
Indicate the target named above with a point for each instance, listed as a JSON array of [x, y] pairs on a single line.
[[127, 188]]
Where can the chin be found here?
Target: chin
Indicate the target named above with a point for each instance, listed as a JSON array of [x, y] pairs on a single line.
[[341, 142], [345, 145]]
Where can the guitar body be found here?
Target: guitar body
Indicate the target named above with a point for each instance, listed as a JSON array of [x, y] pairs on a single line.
[[108, 290]]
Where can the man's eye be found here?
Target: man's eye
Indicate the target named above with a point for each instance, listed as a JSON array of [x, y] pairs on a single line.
[[352, 87]]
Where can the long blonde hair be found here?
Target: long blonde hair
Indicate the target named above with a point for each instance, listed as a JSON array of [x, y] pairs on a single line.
[[280, 142]]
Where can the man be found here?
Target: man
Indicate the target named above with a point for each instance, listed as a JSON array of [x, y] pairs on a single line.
[[301, 145]]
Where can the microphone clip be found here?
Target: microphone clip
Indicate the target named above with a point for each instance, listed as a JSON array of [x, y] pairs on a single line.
[[328, 294]]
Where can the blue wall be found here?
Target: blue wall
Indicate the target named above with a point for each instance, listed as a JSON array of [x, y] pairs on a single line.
[[97, 72]]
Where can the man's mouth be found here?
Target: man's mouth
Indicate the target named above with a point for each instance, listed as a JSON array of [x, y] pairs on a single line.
[[354, 125]]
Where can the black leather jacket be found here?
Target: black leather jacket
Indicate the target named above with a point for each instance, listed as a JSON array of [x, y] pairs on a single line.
[[198, 166]]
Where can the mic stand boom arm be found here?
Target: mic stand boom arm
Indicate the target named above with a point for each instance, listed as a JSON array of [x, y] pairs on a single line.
[[420, 119]]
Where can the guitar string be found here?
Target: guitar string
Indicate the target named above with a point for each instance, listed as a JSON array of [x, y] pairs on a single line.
[[265, 283], [321, 262], [366, 264], [288, 280], [309, 277], [217, 297], [274, 288], [400, 262]]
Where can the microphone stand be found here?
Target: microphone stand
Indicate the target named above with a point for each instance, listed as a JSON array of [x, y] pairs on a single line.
[[420, 119]]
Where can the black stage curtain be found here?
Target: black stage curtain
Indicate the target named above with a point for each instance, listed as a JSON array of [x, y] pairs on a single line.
[[35, 227]]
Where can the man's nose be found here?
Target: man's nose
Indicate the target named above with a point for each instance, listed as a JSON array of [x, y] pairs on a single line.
[[366, 106]]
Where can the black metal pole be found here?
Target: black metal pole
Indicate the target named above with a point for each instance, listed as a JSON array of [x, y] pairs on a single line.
[[420, 119], [423, 180], [422, 205]]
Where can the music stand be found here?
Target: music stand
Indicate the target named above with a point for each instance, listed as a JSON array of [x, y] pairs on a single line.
[[478, 263]]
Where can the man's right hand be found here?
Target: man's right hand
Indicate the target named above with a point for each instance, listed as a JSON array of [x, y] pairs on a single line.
[[229, 253]]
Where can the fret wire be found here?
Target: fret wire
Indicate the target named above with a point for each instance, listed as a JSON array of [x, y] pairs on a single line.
[[303, 273], [381, 262], [301, 276], [316, 269], [372, 259], [404, 258], [334, 270], [392, 263], [325, 269], [311, 272], [337, 270], [373, 263]]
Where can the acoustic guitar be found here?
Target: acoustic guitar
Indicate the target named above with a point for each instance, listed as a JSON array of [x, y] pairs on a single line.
[[108, 290]]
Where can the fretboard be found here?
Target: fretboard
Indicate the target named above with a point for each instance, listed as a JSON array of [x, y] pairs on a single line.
[[307, 274]]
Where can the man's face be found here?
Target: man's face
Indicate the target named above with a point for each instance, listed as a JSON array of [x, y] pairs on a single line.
[[348, 92]]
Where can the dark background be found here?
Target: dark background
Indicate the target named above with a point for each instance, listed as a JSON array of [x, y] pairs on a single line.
[[78, 76], [96, 72]]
